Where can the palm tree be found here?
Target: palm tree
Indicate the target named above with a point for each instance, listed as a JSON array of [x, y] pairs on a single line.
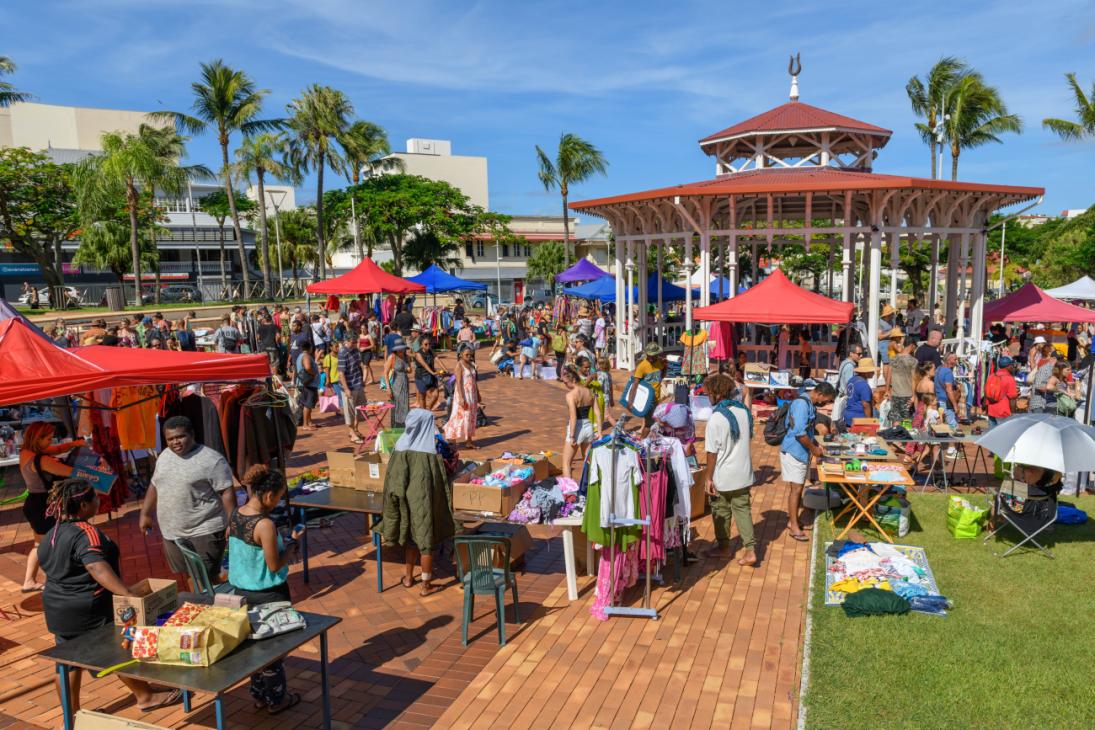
[[547, 261], [216, 205], [258, 155], [927, 99], [1070, 130], [127, 161], [169, 147], [976, 116], [425, 248], [105, 245], [227, 100], [8, 93], [576, 160], [317, 120], [366, 150]]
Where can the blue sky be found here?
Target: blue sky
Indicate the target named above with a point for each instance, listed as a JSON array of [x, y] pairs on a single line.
[[642, 80]]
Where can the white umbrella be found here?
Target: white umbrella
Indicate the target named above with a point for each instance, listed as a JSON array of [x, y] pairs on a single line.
[[1043, 439]]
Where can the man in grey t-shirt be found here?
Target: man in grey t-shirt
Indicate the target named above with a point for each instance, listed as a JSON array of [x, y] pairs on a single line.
[[192, 496]]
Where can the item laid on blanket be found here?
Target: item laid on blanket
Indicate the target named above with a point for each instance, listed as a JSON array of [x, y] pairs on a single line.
[[874, 602], [195, 635]]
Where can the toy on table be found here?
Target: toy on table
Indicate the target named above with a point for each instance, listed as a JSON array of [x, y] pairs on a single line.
[[128, 617]]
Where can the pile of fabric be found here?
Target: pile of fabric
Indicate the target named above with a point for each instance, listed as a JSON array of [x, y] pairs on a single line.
[[548, 500], [868, 568], [507, 476]]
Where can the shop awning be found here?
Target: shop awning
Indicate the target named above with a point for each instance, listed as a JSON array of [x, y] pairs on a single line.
[[437, 280], [1031, 304], [366, 278], [1083, 289], [33, 368], [777, 300], [582, 270], [136, 366]]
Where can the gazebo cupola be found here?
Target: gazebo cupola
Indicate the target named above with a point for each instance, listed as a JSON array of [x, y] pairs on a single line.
[[795, 135]]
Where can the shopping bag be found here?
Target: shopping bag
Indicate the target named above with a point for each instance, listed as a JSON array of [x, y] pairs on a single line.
[[328, 402], [893, 515], [497, 356], [964, 520], [195, 635], [100, 480]]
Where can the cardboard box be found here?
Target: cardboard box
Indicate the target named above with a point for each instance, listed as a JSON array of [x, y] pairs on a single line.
[[482, 498], [698, 497], [89, 720], [364, 472], [155, 596], [519, 537]]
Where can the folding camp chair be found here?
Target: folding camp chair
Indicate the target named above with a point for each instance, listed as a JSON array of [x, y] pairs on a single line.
[[1031, 512]]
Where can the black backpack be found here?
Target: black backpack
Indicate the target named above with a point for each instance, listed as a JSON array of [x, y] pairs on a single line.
[[779, 424]]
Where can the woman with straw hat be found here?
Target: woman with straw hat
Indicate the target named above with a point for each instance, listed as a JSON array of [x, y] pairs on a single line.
[[860, 397]]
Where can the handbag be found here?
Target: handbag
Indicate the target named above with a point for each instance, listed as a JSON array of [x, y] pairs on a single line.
[[271, 619], [638, 397], [329, 402], [497, 356], [1066, 405]]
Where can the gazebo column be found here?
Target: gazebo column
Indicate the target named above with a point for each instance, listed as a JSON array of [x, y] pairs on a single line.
[[660, 319], [643, 293], [846, 279], [933, 279], [620, 328], [950, 294], [977, 293], [963, 286], [732, 264], [895, 242], [689, 269], [874, 262], [705, 268], [723, 272], [629, 303]]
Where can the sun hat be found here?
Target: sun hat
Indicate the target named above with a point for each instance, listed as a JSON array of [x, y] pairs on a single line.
[[888, 310], [894, 333], [652, 350], [398, 344], [866, 365], [1039, 340]]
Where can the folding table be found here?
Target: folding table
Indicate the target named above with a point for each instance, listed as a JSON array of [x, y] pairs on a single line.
[[345, 499], [858, 490], [372, 415]]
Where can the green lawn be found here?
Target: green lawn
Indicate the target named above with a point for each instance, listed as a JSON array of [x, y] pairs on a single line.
[[1016, 651]]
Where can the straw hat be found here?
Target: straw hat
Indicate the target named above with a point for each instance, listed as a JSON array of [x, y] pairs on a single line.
[[652, 350], [894, 333], [866, 365], [887, 311]]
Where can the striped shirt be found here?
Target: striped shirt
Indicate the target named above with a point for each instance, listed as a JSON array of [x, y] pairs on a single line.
[[349, 364]]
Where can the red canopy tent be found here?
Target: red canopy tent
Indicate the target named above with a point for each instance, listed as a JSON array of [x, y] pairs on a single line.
[[1031, 304], [777, 300], [366, 278], [32, 368]]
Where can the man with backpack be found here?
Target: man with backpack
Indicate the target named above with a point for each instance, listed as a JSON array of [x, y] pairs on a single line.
[[227, 338], [794, 425], [1001, 390]]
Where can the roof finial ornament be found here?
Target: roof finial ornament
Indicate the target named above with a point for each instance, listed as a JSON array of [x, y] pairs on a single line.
[[794, 68]]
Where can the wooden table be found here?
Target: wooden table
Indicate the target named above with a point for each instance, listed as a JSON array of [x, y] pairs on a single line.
[[101, 648], [862, 501], [345, 499]]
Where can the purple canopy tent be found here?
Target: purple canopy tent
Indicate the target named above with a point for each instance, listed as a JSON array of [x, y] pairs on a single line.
[[583, 270]]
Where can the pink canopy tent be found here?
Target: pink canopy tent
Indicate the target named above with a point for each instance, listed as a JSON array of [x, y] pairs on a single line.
[[777, 300], [1031, 304], [366, 278]]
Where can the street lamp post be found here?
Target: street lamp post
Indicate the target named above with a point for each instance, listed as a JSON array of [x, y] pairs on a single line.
[[277, 197]]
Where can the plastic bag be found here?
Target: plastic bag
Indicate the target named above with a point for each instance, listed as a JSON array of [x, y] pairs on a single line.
[[893, 515], [964, 520], [271, 619], [328, 402], [195, 635]]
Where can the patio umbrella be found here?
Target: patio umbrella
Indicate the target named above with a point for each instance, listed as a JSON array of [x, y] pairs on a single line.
[[1043, 439]]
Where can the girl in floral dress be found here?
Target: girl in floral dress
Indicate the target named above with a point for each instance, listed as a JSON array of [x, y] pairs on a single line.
[[465, 405]]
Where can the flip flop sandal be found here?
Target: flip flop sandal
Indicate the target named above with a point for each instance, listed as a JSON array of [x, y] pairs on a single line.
[[429, 590], [173, 698], [403, 582], [292, 700], [35, 589], [799, 538]]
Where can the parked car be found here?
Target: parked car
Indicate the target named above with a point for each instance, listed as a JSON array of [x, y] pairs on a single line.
[[173, 293], [480, 301]]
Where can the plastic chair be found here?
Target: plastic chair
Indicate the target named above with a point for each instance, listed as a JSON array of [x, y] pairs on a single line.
[[475, 564], [199, 576]]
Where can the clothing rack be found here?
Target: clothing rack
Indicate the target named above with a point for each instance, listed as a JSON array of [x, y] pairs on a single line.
[[646, 610]]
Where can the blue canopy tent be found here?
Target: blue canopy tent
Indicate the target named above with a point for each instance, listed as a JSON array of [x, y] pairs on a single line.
[[604, 290], [437, 280], [720, 287]]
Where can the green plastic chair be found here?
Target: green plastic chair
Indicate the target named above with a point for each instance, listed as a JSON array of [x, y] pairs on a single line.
[[481, 577], [199, 576]]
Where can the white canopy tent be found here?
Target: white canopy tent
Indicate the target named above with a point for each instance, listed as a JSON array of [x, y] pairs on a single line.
[[1083, 289]]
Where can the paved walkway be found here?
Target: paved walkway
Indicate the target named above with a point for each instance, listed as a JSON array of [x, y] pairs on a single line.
[[725, 650]]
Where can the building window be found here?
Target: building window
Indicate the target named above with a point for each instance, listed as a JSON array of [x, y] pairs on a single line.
[[467, 250], [505, 250], [479, 249], [527, 252]]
